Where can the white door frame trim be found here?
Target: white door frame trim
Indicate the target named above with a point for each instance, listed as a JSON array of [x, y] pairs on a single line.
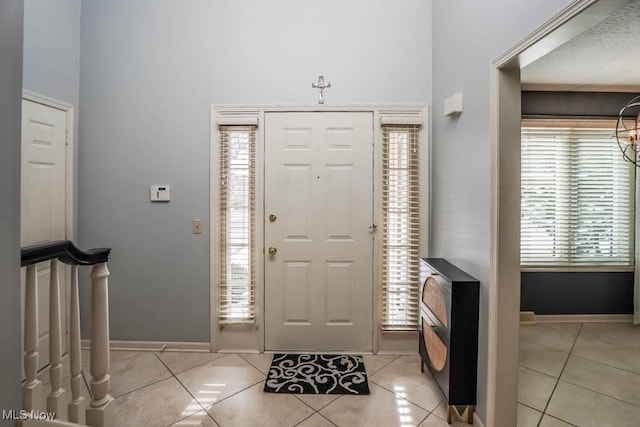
[[229, 338], [69, 231], [504, 279]]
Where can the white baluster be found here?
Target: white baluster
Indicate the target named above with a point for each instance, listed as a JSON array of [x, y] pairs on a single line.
[[98, 413], [31, 390], [77, 404], [54, 400]]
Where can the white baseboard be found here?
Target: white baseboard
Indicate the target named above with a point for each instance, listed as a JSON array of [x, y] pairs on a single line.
[[396, 353], [203, 347], [527, 318], [240, 351], [584, 318]]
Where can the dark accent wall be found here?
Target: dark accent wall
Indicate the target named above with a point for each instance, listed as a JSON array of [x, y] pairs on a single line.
[[577, 293], [11, 21], [573, 104]]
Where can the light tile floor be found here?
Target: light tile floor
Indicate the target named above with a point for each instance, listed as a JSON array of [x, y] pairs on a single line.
[[585, 375], [207, 389], [570, 375]]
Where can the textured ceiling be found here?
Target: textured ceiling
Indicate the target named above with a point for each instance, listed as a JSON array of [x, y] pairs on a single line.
[[607, 54]]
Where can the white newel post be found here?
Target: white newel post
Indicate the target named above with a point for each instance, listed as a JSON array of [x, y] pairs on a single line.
[[54, 400], [31, 390], [98, 413], [77, 405]]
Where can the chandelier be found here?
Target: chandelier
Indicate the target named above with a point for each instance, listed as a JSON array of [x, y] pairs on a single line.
[[628, 132]]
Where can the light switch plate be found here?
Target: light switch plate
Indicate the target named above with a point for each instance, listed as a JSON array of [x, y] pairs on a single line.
[[197, 226]]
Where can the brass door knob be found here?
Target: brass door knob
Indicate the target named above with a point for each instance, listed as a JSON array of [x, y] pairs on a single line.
[[272, 218], [272, 251]]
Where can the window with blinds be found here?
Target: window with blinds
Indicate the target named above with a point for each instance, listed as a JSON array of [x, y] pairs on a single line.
[[400, 227], [237, 224], [577, 199]]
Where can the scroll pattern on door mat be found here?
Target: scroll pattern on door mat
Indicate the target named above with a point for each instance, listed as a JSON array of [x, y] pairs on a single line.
[[317, 374]]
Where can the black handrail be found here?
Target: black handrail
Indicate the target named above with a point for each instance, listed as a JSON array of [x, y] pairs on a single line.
[[65, 251]]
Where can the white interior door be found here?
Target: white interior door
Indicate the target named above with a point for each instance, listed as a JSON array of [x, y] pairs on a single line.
[[43, 200], [319, 187]]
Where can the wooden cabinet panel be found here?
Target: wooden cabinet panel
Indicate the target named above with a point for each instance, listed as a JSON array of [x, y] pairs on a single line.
[[436, 348], [434, 300]]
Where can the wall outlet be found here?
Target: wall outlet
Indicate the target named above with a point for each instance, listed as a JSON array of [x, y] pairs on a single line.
[[197, 226]]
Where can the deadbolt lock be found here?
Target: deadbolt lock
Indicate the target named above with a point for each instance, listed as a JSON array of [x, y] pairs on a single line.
[[272, 218], [272, 251]]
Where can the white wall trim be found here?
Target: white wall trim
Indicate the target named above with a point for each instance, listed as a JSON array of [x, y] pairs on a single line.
[[584, 318], [242, 338], [504, 299], [153, 346], [45, 100], [235, 337], [564, 26]]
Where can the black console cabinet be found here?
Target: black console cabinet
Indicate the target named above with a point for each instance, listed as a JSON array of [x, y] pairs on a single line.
[[448, 331]]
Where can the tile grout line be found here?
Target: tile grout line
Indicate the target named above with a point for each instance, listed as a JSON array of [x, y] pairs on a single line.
[[223, 355], [395, 357], [188, 392], [249, 362], [130, 391], [433, 412], [141, 387], [606, 364], [86, 384], [602, 394], [545, 346], [312, 408], [544, 412], [395, 394], [228, 397], [429, 412], [314, 413], [556, 418]]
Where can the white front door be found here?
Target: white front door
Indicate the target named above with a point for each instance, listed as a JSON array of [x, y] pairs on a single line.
[[43, 199], [318, 210]]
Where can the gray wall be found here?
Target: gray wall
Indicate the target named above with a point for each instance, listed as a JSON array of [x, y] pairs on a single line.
[[11, 12], [52, 55], [467, 36], [150, 70], [52, 48]]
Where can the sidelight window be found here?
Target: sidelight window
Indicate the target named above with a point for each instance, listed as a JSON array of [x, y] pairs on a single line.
[[237, 224], [400, 228]]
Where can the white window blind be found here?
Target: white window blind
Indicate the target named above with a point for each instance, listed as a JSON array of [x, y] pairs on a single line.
[[237, 224], [577, 199], [400, 228]]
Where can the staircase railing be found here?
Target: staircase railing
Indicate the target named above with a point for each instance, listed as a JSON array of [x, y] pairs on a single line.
[[57, 402]]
